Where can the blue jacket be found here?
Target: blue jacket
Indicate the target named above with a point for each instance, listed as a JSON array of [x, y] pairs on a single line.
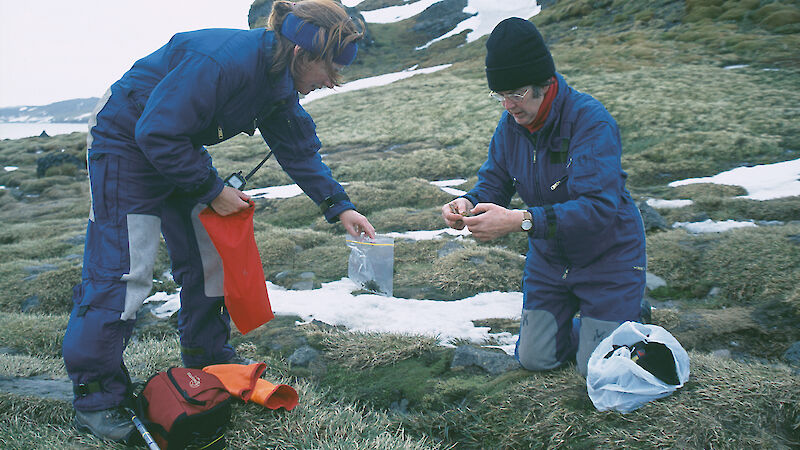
[[204, 87], [570, 176]]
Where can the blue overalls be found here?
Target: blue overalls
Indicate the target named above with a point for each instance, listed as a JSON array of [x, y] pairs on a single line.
[[150, 175], [587, 247]]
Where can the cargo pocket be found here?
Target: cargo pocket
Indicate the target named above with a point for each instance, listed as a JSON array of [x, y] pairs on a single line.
[[105, 250]]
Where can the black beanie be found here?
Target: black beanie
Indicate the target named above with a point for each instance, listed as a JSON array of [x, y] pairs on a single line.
[[516, 56]]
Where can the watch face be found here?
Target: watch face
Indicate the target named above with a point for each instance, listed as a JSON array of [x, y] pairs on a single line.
[[526, 225]]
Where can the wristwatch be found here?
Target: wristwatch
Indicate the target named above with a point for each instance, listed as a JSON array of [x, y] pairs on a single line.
[[527, 221]]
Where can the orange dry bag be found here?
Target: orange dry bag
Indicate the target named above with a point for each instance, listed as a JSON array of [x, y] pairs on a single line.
[[244, 285]]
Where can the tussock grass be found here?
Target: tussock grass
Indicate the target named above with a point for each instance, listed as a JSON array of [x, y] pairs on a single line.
[[365, 350], [407, 219], [477, 270], [319, 423], [33, 334], [552, 410], [28, 366], [747, 265]]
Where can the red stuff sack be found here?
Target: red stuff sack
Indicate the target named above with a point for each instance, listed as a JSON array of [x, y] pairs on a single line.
[[185, 409], [244, 285]]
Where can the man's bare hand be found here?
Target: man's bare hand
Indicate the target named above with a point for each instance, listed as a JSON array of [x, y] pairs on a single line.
[[454, 212], [489, 221]]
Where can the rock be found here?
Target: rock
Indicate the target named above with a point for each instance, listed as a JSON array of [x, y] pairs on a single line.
[[653, 281], [304, 356], [42, 268], [57, 159], [492, 362], [646, 310], [149, 325], [477, 260], [651, 218], [450, 247], [306, 285], [78, 239], [792, 355], [440, 18], [721, 353], [258, 14], [30, 303], [400, 406]]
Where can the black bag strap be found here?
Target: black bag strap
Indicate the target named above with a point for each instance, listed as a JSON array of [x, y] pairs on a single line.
[[181, 391]]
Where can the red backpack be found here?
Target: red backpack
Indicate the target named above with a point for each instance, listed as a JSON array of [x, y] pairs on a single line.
[[186, 408]]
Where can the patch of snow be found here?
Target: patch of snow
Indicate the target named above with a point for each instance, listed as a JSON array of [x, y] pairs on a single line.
[[736, 66], [364, 83], [455, 192], [453, 182], [445, 186], [397, 13], [352, 3], [710, 226], [10, 168], [489, 14], [668, 204], [762, 182], [286, 191], [171, 305], [334, 304], [427, 235]]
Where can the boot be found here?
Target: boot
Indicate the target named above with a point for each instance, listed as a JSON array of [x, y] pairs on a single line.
[[108, 424]]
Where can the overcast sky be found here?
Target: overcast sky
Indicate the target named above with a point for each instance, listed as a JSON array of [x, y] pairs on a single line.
[[52, 50]]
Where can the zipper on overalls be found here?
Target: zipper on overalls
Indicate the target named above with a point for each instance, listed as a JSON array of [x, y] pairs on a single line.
[[219, 132], [566, 272], [530, 139], [561, 180], [557, 183]]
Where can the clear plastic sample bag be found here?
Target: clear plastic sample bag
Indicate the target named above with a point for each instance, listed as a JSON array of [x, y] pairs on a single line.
[[371, 263]]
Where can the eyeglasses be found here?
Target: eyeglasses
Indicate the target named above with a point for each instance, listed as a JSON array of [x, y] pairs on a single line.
[[515, 97]]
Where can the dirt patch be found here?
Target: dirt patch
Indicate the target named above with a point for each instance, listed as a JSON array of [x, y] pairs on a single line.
[[58, 389]]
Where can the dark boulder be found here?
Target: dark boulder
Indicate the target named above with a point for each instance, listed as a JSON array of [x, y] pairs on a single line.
[[652, 219], [440, 18], [260, 9], [47, 162], [493, 362]]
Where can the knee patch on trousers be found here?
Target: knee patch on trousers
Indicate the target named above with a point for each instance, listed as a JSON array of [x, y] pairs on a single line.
[[536, 346], [592, 332], [144, 232]]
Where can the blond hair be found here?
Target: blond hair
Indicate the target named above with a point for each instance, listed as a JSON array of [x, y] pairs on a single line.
[[336, 30]]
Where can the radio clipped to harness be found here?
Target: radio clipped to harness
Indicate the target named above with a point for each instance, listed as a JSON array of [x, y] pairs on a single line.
[[237, 181]]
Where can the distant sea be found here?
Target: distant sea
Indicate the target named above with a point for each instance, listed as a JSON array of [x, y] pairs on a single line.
[[20, 130]]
